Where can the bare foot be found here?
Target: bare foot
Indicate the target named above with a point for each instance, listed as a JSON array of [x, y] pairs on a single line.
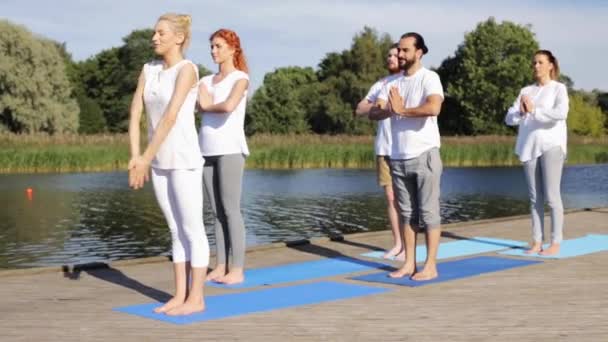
[[535, 247], [187, 308], [218, 272], [233, 277], [428, 272], [393, 252], [170, 305], [406, 270], [400, 256], [552, 250]]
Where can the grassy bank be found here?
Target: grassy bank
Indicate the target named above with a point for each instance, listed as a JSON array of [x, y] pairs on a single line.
[[73, 153]]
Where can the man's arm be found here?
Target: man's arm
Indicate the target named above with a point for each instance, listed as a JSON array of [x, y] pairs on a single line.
[[363, 107], [430, 107], [379, 111]]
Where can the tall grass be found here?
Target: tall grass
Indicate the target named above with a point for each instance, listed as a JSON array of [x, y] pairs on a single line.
[[310, 151], [74, 153], [314, 151], [62, 153]]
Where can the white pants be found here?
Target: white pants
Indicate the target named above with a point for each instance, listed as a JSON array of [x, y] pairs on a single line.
[[180, 197]]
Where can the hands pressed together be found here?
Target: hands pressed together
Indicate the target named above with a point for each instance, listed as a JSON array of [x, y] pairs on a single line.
[[396, 103], [526, 106]]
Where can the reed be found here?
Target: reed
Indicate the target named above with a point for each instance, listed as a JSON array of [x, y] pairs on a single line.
[[62, 153], [77, 153]]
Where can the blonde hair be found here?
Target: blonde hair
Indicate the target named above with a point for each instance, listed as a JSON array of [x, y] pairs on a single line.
[[180, 23]]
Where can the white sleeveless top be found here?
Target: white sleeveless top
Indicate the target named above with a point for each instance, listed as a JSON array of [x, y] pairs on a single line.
[[180, 149], [224, 133]]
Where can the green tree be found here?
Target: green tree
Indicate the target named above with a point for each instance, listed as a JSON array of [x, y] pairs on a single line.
[[202, 71], [278, 106], [35, 93], [110, 77], [345, 79], [91, 119], [484, 76], [602, 101], [584, 118]]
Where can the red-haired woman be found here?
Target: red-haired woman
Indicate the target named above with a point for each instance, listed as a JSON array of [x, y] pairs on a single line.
[[222, 99]]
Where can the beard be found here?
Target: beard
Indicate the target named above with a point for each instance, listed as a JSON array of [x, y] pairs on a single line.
[[405, 65]]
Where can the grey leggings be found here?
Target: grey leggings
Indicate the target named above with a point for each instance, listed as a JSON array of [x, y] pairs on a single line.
[[223, 176], [543, 175]]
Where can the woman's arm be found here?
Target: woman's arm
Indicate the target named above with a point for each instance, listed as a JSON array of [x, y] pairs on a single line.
[[137, 105], [227, 106], [514, 114], [558, 112], [186, 79]]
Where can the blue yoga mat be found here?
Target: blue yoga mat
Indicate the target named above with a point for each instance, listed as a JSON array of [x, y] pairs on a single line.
[[591, 243], [460, 248], [451, 270], [303, 271], [236, 304]]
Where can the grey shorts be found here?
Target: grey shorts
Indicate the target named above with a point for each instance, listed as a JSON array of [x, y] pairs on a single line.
[[416, 184]]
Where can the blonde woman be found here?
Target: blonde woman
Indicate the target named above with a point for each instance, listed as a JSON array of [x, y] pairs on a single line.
[[540, 112], [167, 90]]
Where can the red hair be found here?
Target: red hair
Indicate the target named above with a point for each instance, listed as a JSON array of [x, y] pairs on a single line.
[[233, 40]]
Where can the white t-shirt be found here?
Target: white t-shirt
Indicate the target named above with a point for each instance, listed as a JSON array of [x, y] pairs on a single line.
[[544, 129], [382, 145], [180, 149], [413, 136], [224, 133]]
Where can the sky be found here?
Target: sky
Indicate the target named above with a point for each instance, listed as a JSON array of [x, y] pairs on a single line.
[[282, 33]]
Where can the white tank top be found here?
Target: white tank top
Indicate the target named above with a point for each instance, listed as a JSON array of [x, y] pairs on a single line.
[[180, 149], [224, 133]]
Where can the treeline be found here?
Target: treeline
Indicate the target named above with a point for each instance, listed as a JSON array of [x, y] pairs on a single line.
[[42, 89], [481, 80]]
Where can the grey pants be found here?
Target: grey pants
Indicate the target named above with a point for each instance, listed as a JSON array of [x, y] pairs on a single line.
[[416, 183], [544, 175], [223, 178]]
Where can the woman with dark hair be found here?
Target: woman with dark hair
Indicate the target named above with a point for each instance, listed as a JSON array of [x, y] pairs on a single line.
[[222, 99], [540, 112]]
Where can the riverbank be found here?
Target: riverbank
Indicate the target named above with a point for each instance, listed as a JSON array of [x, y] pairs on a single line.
[[75, 153]]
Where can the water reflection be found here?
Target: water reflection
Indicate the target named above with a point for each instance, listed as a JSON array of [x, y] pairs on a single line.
[[78, 218]]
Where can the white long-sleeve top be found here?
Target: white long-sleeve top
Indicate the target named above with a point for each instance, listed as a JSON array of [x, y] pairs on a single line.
[[545, 127]]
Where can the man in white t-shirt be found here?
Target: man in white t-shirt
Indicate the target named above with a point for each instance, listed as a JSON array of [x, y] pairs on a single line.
[[413, 102], [382, 149]]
